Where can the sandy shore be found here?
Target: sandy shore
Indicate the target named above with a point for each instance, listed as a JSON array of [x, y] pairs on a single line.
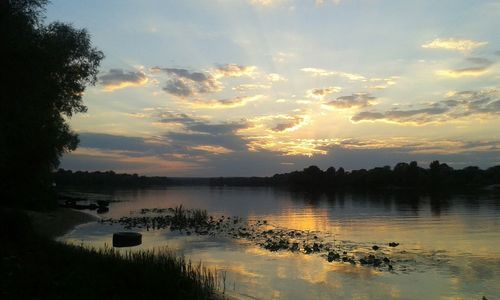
[[56, 223]]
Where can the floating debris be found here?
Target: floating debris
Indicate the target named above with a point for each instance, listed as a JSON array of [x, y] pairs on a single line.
[[127, 239], [262, 233]]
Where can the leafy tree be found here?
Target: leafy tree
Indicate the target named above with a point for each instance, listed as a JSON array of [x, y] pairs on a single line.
[[45, 69]]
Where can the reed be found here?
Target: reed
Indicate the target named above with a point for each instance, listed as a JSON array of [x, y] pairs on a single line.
[[36, 267], [183, 217]]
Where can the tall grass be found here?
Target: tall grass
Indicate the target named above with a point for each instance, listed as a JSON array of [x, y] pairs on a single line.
[[183, 217], [168, 261], [37, 268]]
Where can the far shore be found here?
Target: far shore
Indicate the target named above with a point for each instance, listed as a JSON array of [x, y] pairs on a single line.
[[56, 223]]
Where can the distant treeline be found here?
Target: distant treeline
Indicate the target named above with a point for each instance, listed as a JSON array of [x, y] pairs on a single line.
[[109, 178], [403, 175]]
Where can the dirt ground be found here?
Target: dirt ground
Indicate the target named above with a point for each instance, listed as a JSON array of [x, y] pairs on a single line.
[[56, 223]]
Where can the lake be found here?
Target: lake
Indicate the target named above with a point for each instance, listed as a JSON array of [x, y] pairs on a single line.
[[449, 245]]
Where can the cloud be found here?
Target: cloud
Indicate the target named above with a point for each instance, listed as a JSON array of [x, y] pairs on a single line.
[[367, 116], [348, 153], [224, 103], [457, 105], [292, 147], [420, 116], [282, 57], [275, 77], [322, 92], [229, 140], [373, 83], [215, 129], [85, 159], [166, 116], [321, 2], [250, 86], [184, 83], [454, 44], [276, 133], [198, 125], [481, 66], [198, 132], [275, 124], [271, 3], [323, 72], [212, 149], [233, 70], [117, 79], [104, 141], [137, 115], [381, 83], [194, 142], [289, 125], [265, 2], [358, 100]]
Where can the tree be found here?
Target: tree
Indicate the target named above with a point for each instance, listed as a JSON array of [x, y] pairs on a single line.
[[45, 69]]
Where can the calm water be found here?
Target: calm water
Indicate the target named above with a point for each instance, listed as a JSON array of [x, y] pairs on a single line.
[[449, 245]]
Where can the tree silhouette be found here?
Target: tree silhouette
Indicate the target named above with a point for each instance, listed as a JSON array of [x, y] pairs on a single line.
[[45, 69], [439, 176]]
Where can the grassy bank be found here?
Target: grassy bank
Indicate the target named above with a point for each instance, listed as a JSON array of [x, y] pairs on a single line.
[[35, 267]]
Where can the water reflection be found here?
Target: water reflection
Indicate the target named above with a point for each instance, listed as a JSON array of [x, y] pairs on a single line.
[[452, 241]]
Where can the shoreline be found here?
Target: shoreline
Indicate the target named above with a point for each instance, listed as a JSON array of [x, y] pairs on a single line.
[[56, 223]]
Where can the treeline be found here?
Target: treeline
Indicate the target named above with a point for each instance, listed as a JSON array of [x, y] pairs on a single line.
[[109, 179], [438, 176], [403, 175]]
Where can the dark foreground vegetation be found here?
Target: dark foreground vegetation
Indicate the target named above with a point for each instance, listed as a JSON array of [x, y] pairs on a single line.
[[34, 267], [46, 68], [439, 176]]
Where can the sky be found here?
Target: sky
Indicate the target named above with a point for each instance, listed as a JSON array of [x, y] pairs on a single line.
[[258, 87]]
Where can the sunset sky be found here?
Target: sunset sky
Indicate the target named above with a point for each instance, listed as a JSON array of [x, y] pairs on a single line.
[[242, 87]]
